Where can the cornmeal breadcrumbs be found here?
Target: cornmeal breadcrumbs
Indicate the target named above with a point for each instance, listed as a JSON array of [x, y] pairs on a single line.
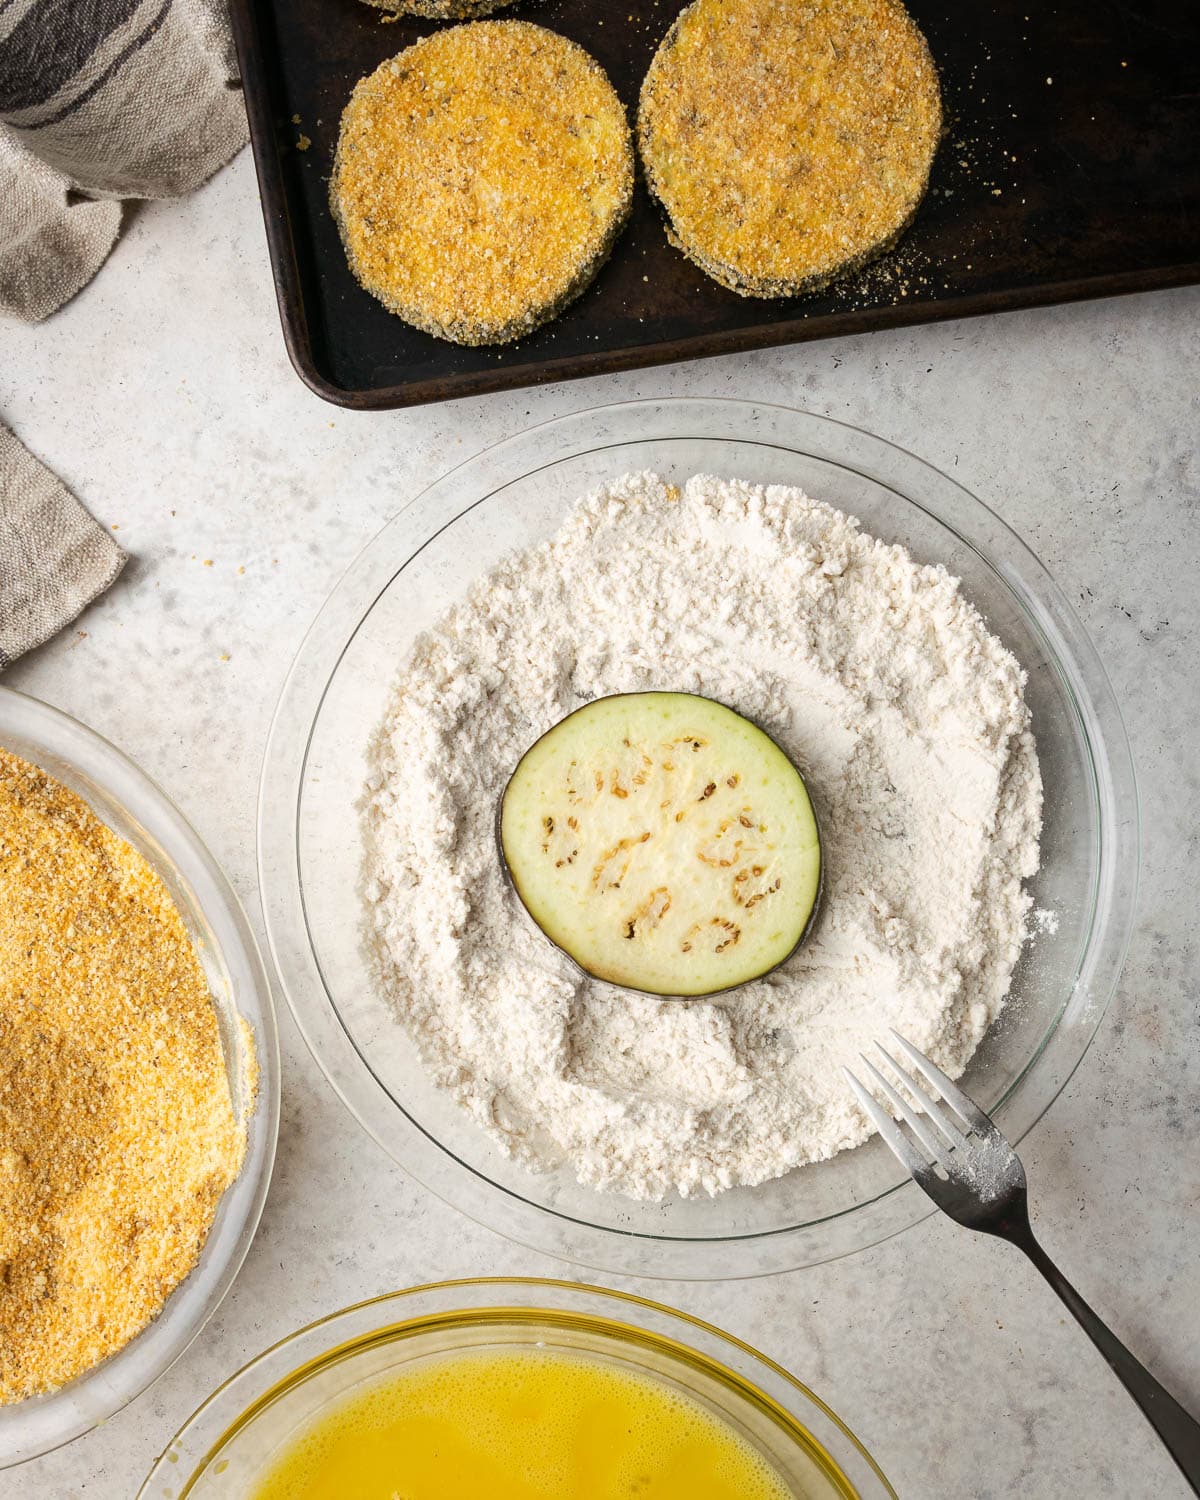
[[117, 1129], [441, 10], [481, 179], [789, 140]]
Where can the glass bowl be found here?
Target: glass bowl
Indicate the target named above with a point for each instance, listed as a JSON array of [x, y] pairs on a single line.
[[130, 803], [515, 495], [233, 1440]]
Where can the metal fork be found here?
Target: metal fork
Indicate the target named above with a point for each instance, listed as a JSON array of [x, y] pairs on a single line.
[[974, 1175]]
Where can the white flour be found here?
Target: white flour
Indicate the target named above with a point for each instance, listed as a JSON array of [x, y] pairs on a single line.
[[906, 717]]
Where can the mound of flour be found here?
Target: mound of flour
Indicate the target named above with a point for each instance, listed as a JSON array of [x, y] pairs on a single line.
[[907, 719]]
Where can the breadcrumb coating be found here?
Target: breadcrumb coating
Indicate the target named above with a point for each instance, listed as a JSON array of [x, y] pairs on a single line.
[[789, 140], [441, 10], [481, 179]]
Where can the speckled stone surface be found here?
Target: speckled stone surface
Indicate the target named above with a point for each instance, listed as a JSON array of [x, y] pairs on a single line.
[[163, 396]]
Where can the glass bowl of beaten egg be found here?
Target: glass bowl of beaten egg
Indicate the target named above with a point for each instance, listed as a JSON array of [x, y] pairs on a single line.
[[508, 1388], [515, 495], [125, 799]]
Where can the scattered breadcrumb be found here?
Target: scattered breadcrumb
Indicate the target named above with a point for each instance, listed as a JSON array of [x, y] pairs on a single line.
[[117, 1128]]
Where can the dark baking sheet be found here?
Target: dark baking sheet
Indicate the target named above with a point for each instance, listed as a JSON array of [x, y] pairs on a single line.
[[1071, 168]]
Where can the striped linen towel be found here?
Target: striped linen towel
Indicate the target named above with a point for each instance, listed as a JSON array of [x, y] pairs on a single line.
[[54, 558], [102, 100]]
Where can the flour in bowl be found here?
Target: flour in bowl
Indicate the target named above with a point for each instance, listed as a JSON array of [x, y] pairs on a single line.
[[906, 717]]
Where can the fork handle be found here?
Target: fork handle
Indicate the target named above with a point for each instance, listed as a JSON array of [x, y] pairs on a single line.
[[1179, 1431]]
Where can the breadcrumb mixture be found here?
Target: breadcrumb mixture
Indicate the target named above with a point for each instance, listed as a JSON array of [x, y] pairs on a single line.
[[117, 1128], [789, 142]]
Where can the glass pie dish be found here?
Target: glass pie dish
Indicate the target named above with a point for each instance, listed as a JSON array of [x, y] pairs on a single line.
[[515, 495], [234, 1439], [127, 800]]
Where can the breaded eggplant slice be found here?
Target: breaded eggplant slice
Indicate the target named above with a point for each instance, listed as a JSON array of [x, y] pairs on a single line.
[[481, 179], [789, 141], [441, 10]]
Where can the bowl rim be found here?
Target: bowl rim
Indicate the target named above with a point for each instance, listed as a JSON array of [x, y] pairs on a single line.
[[219, 1428], [100, 1392], [418, 522]]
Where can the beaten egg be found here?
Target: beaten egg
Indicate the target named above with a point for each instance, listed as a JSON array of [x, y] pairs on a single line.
[[520, 1425]]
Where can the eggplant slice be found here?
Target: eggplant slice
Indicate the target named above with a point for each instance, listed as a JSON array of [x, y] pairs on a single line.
[[663, 842]]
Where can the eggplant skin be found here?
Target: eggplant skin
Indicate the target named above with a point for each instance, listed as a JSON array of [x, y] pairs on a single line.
[[664, 843]]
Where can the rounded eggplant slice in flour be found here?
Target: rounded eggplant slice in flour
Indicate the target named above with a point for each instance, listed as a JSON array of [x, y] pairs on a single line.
[[664, 843]]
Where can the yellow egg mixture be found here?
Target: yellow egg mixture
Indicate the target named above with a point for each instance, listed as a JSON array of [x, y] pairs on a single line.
[[520, 1425]]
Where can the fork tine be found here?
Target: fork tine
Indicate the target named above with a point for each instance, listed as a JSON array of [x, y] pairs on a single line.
[[919, 1128], [900, 1144], [967, 1109], [937, 1116]]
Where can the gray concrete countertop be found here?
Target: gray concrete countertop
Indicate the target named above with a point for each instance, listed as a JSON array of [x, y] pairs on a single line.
[[164, 398]]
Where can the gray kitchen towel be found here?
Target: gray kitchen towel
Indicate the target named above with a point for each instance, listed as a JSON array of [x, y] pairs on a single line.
[[54, 558], [102, 100]]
